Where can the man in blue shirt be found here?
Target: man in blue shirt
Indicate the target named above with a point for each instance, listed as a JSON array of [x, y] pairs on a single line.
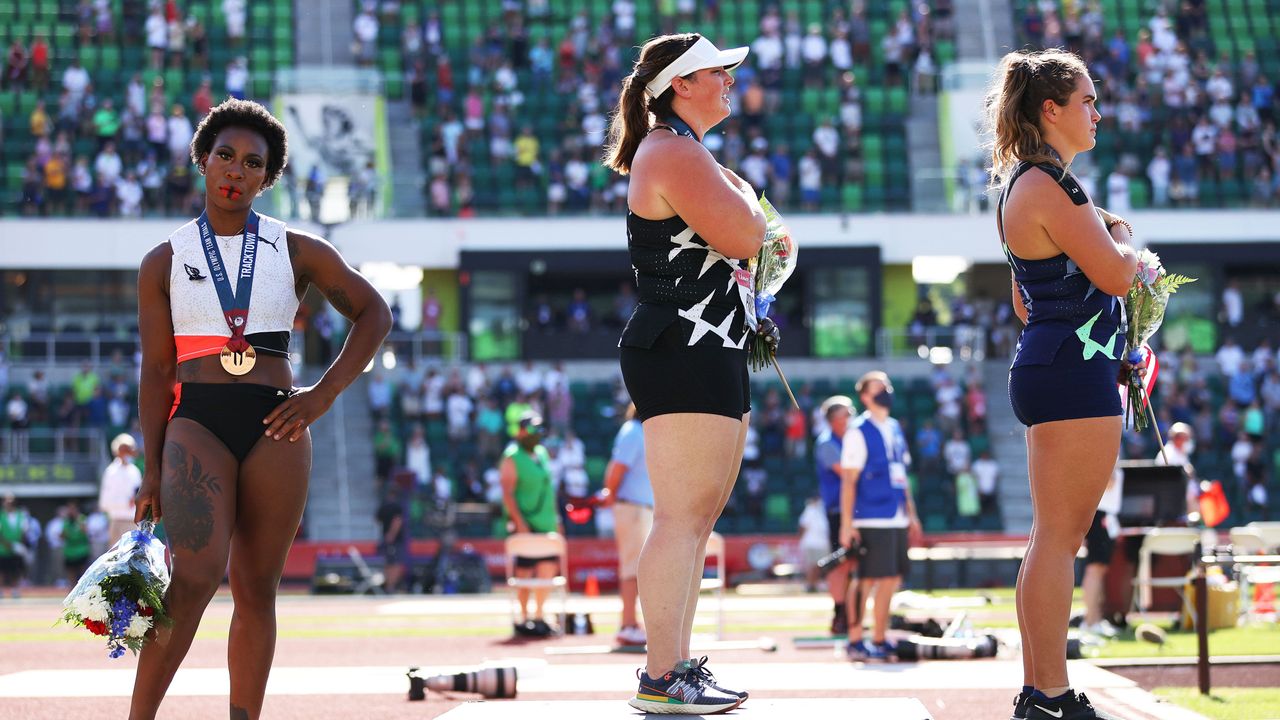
[[826, 452], [876, 509], [628, 492]]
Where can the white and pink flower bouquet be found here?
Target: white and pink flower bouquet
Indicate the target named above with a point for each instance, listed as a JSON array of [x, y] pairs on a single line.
[[1144, 307]]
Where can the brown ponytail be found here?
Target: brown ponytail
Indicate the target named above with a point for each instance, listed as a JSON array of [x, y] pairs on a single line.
[[636, 110], [1023, 82]]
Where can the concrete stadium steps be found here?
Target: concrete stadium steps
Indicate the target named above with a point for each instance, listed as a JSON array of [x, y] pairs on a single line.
[[1009, 446], [326, 27], [984, 29], [407, 176], [343, 498]]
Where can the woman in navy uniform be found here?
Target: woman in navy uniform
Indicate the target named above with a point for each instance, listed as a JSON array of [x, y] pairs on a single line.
[[1072, 265], [683, 353]]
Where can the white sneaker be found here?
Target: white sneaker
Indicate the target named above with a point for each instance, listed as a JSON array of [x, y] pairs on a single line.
[[632, 635], [1101, 628]]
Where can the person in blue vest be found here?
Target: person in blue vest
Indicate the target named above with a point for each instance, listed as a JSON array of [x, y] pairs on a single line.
[[876, 509], [837, 409]]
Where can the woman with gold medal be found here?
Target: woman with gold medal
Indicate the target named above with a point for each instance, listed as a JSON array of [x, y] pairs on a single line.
[[228, 453]]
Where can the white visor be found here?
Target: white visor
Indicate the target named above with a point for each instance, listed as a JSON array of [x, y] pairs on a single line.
[[700, 56]]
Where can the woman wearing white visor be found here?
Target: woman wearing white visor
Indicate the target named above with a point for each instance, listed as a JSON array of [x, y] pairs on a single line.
[[683, 353]]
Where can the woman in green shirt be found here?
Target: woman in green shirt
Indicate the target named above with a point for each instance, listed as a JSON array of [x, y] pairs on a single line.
[[529, 504]]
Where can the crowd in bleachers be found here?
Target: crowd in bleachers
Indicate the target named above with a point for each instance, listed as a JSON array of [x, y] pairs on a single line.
[[447, 428], [98, 398], [514, 98], [1232, 403], [1187, 93], [99, 102]]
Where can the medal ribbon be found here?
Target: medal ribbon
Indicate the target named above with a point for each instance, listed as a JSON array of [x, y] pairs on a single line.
[[680, 126], [235, 309]]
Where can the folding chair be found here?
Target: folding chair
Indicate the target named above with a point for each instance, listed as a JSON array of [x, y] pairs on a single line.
[[715, 548], [370, 580], [1163, 541], [1253, 540], [538, 545], [1269, 532]]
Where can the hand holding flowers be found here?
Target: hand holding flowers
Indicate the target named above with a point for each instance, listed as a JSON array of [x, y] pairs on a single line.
[[121, 595], [1144, 306]]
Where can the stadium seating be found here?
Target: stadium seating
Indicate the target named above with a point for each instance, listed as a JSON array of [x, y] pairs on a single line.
[[268, 45], [1236, 30], [882, 184]]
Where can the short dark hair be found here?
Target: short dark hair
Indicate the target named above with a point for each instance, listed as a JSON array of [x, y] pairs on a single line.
[[247, 114]]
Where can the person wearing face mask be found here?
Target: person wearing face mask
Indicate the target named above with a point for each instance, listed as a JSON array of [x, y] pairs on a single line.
[[876, 508]]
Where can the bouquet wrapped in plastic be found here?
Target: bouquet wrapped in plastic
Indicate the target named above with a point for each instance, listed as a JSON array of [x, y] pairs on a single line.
[[770, 268], [121, 595], [1144, 306]]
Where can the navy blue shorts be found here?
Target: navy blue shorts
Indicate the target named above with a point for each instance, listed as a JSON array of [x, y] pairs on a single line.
[[1069, 388]]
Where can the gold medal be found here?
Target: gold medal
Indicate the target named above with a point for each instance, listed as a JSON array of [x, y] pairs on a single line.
[[238, 363]]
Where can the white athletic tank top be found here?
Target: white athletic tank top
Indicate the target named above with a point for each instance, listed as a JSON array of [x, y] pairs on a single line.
[[199, 327]]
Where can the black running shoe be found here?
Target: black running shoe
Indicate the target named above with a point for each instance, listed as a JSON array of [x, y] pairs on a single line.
[[1020, 706], [1072, 706], [699, 667], [680, 693]]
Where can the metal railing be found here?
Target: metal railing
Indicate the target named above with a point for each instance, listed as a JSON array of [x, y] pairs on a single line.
[[425, 346], [939, 344], [53, 445], [50, 348]]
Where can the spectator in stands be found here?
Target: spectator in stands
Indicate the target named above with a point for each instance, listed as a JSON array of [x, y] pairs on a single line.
[[157, 31], [202, 100], [417, 455], [365, 28], [876, 509], [986, 472], [233, 12], [386, 450], [237, 78], [15, 73], [179, 133], [32, 188], [957, 452], [39, 66], [1042, 115]]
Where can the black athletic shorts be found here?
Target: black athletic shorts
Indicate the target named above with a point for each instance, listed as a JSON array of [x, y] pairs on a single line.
[[1098, 542], [533, 562], [886, 553], [670, 377]]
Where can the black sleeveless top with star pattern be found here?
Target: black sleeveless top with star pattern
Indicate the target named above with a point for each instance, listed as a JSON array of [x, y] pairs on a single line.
[[680, 278]]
